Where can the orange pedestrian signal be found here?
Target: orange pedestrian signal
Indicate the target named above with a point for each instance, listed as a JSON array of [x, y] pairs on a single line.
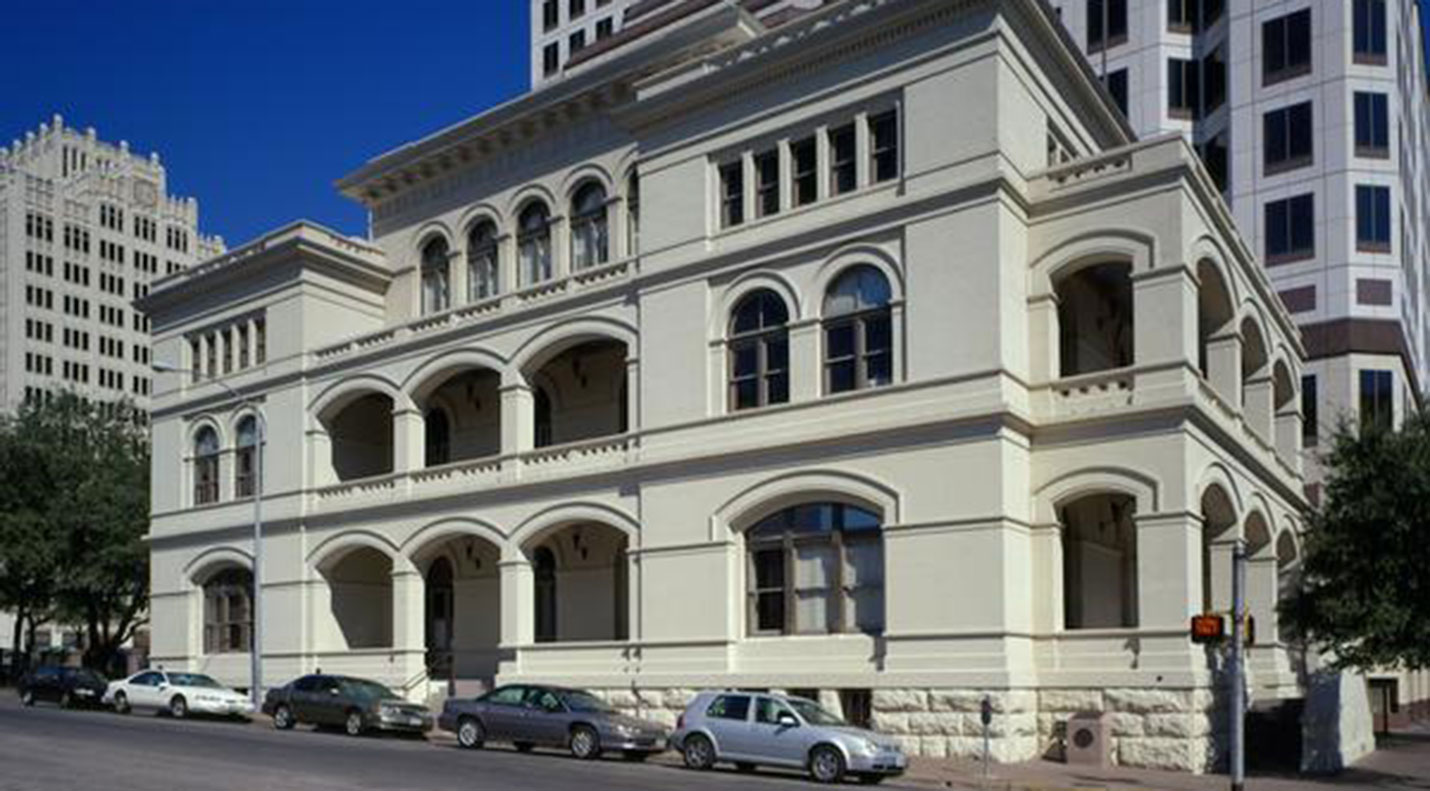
[[1208, 628]]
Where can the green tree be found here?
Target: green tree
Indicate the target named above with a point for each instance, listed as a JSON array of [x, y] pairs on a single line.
[[1365, 593], [76, 487]]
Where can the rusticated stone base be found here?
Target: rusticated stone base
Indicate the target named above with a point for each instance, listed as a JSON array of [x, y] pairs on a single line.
[[1151, 728]]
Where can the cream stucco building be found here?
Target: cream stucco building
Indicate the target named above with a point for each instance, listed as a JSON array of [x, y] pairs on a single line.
[[869, 356]]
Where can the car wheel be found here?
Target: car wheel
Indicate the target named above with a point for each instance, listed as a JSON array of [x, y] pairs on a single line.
[[698, 752], [178, 707], [66, 700], [522, 747], [635, 756], [826, 764], [585, 743], [27, 697], [470, 733], [353, 724], [121, 703], [283, 717]]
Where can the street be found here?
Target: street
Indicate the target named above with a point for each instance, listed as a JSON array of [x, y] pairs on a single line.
[[52, 749]]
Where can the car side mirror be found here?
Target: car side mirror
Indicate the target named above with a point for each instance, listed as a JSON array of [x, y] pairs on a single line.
[[787, 720]]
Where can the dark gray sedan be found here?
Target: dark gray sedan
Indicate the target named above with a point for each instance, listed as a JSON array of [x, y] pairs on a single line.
[[530, 715]]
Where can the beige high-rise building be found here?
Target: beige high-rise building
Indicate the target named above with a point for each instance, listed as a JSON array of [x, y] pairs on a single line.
[[85, 227]]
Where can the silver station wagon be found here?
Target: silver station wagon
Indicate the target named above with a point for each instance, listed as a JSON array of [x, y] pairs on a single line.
[[752, 729]]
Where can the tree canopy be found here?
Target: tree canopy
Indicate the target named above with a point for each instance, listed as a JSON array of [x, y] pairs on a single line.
[[1365, 594], [74, 510]]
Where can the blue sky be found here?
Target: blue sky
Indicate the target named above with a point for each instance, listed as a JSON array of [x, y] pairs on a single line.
[[257, 106]]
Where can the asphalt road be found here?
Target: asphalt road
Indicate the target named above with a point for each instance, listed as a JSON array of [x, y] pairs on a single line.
[[48, 749]]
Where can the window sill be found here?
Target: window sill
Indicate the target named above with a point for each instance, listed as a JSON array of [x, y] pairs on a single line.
[[1269, 79], [1373, 247], [1112, 43], [1290, 258], [1369, 59], [1278, 168], [1364, 152]]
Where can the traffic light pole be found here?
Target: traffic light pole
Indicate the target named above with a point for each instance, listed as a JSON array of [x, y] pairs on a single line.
[[1236, 676]]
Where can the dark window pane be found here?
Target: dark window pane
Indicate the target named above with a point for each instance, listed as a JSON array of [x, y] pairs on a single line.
[[842, 377], [839, 341], [769, 568], [747, 359], [878, 333], [770, 611], [779, 388], [880, 369], [777, 353], [747, 394]]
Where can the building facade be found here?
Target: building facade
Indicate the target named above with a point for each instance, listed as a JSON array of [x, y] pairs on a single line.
[[751, 358], [1311, 115], [85, 227]]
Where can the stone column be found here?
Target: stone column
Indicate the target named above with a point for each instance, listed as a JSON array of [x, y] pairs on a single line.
[[1288, 435], [821, 162], [320, 458], [805, 361], [786, 159], [633, 394], [457, 277], [408, 628], [518, 593], [1169, 569], [560, 240], [518, 418], [1224, 367], [409, 437], [508, 274], [1257, 409], [1045, 350], [1164, 308], [226, 468], [1263, 590]]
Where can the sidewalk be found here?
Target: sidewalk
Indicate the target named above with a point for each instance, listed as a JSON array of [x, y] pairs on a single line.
[[1402, 763]]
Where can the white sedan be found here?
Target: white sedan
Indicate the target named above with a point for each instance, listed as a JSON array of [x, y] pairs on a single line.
[[180, 694]]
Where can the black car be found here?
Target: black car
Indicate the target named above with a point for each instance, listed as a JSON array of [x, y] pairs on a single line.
[[354, 704], [67, 686]]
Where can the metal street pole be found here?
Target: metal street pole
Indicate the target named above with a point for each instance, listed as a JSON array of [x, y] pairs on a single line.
[[1238, 661]]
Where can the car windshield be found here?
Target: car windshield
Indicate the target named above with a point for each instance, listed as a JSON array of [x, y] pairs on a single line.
[[193, 680], [813, 714], [83, 674], [578, 700], [369, 690]]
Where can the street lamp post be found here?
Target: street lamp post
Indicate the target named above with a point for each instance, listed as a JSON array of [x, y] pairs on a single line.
[[255, 651]]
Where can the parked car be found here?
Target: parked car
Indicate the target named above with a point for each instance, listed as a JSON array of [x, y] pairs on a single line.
[[179, 694], [68, 686], [758, 729], [529, 715], [355, 704]]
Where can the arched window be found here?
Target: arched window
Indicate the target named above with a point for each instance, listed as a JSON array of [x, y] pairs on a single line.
[[436, 294], [543, 563], [534, 241], [858, 331], [245, 458], [759, 351], [541, 417], [483, 262], [439, 437], [206, 466], [589, 239], [228, 612], [816, 568], [633, 213], [1099, 562], [1095, 320]]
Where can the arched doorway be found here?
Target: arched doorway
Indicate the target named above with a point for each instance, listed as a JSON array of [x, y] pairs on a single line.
[[462, 610], [580, 584]]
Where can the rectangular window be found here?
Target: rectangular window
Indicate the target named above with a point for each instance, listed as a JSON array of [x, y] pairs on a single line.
[[1372, 218], [577, 42], [551, 59], [1288, 138], [1290, 229], [1310, 412], [843, 170], [1286, 47], [1117, 86], [1106, 24], [806, 171], [1182, 15], [884, 142], [576, 8], [1183, 88], [550, 15], [732, 194], [1377, 400], [1368, 31], [767, 183], [605, 28], [1213, 80], [1372, 125]]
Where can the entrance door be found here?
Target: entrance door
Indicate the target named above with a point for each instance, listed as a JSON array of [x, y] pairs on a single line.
[[439, 610], [1382, 703], [544, 571]]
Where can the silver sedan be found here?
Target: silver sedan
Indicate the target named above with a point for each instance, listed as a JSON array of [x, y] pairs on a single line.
[[757, 729]]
